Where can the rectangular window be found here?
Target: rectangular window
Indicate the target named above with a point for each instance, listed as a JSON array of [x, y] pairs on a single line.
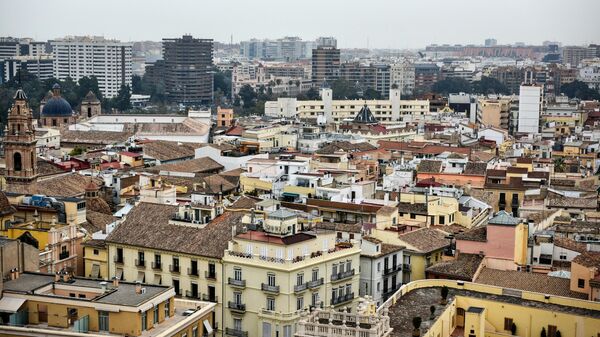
[[167, 309], [155, 321], [237, 274], [271, 279], [237, 297], [103, 320], [580, 283], [551, 330], [300, 279], [299, 303], [237, 324], [315, 274], [314, 299], [508, 323], [195, 331], [270, 303], [144, 317], [334, 269]]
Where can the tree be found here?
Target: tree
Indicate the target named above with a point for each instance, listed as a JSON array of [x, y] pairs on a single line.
[[248, 96], [222, 81], [343, 89], [488, 85], [313, 94], [371, 94], [444, 294], [559, 164], [122, 101], [416, 321], [137, 84], [451, 85], [578, 89], [87, 84], [76, 151]]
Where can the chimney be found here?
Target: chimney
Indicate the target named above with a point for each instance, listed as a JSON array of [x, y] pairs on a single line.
[[103, 286], [138, 287], [115, 282], [57, 276]]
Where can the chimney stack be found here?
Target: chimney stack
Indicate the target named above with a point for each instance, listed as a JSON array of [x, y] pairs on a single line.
[[115, 282], [103, 286], [138, 287]]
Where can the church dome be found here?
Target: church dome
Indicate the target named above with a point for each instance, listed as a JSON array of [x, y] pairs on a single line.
[[56, 106]]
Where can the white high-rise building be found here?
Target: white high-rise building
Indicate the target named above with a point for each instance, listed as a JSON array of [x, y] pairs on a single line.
[[531, 99], [110, 61], [402, 74]]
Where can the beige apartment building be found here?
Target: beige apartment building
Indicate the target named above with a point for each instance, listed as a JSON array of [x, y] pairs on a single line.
[[273, 271], [494, 112], [328, 110]]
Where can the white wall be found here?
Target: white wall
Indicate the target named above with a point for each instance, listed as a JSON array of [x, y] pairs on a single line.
[[530, 108]]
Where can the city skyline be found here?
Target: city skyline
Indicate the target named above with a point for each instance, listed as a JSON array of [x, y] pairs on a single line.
[[381, 25]]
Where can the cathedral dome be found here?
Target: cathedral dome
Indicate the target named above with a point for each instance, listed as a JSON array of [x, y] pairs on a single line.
[[56, 106]]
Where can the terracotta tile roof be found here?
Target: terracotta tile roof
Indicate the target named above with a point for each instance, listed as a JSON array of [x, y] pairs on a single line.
[[65, 185], [363, 208], [95, 243], [556, 200], [5, 207], [243, 203], [475, 168], [159, 234], [570, 244], [97, 221], [387, 210], [346, 147], [46, 168], [462, 268], [94, 137], [198, 165], [163, 150], [588, 259], [535, 282], [97, 205], [425, 240], [421, 147], [416, 208], [429, 166], [340, 227], [474, 234]]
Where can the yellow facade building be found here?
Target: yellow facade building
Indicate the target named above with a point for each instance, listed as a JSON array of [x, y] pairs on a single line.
[[274, 271]]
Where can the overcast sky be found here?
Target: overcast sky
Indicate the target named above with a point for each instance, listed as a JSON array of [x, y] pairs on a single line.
[[355, 23]]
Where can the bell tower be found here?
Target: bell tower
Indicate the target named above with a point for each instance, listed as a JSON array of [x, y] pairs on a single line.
[[19, 142]]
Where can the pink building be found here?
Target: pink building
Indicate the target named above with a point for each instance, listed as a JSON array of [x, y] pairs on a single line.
[[503, 242]]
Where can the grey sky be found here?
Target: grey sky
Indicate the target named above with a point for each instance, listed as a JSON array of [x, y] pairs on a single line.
[[383, 23]]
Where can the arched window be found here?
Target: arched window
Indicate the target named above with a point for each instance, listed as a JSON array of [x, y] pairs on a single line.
[[17, 164]]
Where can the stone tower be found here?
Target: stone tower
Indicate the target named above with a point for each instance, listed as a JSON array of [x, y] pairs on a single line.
[[90, 106], [19, 142]]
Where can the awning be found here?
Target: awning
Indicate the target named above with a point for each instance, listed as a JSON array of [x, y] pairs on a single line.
[[288, 194], [11, 304], [157, 279], [207, 326], [119, 274], [141, 276], [95, 271]]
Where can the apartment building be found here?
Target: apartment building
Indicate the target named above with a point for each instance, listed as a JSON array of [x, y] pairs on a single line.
[[494, 112], [175, 249], [37, 304], [573, 55], [327, 110], [403, 77], [325, 65], [531, 100], [110, 61], [275, 271], [380, 269], [188, 66]]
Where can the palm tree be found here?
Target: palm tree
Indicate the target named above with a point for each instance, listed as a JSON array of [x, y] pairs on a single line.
[[559, 164]]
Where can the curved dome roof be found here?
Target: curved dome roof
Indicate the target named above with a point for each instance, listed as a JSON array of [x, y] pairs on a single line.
[[57, 107]]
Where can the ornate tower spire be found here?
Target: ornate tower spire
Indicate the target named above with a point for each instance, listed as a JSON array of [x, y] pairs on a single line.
[[19, 142]]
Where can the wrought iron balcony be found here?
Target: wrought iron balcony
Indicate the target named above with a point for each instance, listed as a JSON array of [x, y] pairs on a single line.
[[140, 263], [269, 288], [392, 269], [236, 332], [343, 275], [157, 265], [210, 276], [118, 259], [191, 294], [406, 267], [208, 298], [316, 283], [342, 299], [193, 272], [300, 287], [236, 283], [237, 307], [174, 268]]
